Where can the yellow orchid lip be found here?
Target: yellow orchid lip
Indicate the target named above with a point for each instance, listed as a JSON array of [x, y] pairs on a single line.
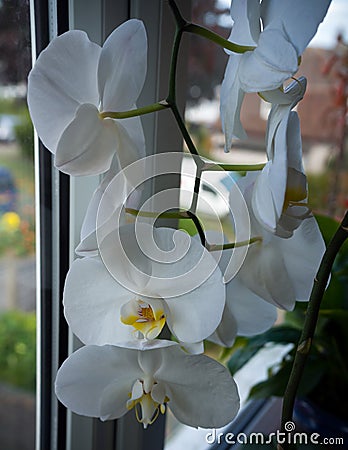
[[147, 318]]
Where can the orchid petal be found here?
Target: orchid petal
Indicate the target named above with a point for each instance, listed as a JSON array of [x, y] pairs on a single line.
[[252, 314], [291, 219], [180, 263], [94, 374], [290, 96], [294, 142], [122, 66], [92, 303], [201, 391], [135, 132], [265, 273], [303, 255], [63, 77], [112, 191], [272, 62], [144, 345], [127, 151], [226, 331], [88, 144], [231, 98], [281, 111], [263, 202], [129, 312], [150, 362], [195, 315], [125, 259], [274, 186], [246, 18], [300, 19], [278, 169], [193, 348]]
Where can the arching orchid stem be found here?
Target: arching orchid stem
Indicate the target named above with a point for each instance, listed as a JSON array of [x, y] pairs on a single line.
[[310, 322], [196, 188], [186, 135], [199, 227], [180, 21], [217, 39], [229, 245], [154, 215], [135, 112], [171, 99], [233, 167], [183, 25]]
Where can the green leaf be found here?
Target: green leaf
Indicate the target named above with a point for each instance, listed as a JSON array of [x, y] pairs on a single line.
[[275, 385], [278, 335], [328, 226]]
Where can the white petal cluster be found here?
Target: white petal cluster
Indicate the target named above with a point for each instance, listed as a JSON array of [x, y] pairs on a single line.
[[279, 31]]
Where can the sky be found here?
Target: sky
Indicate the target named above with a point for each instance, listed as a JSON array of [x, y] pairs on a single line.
[[336, 21]]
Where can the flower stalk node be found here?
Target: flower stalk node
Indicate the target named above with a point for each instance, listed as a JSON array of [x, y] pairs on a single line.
[[305, 346]]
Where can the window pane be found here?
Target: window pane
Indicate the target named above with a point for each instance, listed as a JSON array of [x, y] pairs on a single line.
[[17, 233]]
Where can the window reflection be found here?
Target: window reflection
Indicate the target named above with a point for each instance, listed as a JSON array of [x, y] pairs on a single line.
[[17, 233], [322, 113]]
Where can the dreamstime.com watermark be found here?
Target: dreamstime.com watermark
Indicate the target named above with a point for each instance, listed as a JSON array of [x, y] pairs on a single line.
[[280, 437]]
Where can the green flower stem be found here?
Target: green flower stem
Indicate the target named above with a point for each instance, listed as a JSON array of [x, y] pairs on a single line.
[[164, 215], [311, 318], [171, 99], [219, 247], [217, 39], [185, 134], [199, 227], [233, 167], [135, 112], [183, 25], [196, 188], [190, 215], [180, 21]]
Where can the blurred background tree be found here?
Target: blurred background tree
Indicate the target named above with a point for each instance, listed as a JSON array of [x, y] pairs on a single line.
[[15, 59]]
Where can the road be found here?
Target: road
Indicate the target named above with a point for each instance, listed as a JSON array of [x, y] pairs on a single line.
[[17, 283]]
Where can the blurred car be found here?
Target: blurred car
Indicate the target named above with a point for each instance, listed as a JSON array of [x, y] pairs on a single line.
[[213, 200], [8, 123], [8, 191]]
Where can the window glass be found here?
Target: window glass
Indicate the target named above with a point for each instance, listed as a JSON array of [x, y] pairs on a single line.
[[322, 114], [17, 233]]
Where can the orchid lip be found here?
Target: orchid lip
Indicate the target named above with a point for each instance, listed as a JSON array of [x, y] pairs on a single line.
[[147, 318], [146, 408]]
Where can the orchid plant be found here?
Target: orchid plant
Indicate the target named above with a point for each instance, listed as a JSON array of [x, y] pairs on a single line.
[[135, 280]]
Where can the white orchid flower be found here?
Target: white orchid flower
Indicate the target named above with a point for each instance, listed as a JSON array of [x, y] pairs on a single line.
[[281, 271], [127, 290], [280, 190], [287, 28], [108, 381], [73, 81]]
